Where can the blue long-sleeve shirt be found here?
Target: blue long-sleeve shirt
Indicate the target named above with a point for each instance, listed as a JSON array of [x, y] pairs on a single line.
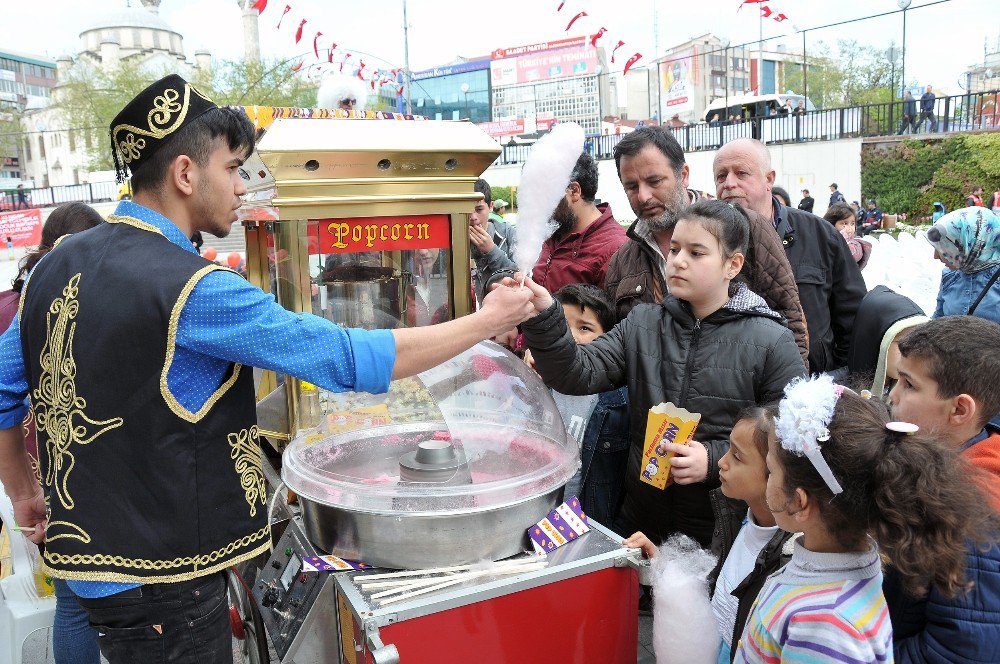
[[226, 320]]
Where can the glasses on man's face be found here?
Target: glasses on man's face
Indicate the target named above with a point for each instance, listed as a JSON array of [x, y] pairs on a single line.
[[348, 102]]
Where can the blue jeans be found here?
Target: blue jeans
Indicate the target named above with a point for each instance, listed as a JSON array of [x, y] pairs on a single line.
[[74, 641]]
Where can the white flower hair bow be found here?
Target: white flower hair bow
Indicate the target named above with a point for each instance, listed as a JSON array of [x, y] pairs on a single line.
[[804, 416]]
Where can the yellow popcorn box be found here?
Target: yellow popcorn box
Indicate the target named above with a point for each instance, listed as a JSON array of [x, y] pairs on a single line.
[[666, 423]]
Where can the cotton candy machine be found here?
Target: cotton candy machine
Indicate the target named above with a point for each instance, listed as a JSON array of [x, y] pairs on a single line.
[[454, 465]]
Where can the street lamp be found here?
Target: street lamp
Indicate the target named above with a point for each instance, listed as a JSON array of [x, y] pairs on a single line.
[[904, 5]]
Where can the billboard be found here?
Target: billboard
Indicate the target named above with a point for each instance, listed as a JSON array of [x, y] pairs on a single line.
[[22, 228], [515, 51], [544, 66], [498, 128], [677, 82]]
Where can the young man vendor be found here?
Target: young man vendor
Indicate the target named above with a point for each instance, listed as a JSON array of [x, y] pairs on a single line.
[[136, 354]]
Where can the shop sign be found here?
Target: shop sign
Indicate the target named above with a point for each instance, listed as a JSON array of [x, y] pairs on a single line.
[[503, 127], [536, 67], [514, 51], [22, 227], [342, 236], [677, 82]]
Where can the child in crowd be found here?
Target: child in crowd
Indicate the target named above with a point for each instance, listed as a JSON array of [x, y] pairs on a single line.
[[846, 477], [589, 313], [760, 548], [845, 220], [882, 319], [712, 346], [948, 385]]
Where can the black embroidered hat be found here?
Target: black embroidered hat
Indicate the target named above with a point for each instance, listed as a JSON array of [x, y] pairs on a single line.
[[148, 121]]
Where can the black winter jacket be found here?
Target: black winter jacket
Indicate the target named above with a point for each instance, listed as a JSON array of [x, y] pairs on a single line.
[[830, 284], [739, 356]]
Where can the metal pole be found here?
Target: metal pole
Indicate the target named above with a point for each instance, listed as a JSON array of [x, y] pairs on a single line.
[[406, 57], [725, 113], [760, 55], [903, 80], [805, 70]]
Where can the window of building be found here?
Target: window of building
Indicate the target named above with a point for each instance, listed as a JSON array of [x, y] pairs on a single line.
[[27, 150], [717, 61], [41, 147], [72, 141]]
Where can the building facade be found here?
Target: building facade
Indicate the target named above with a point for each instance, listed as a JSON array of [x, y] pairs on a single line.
[[26, 82], [458, 91], [53, 152], [693, 74]]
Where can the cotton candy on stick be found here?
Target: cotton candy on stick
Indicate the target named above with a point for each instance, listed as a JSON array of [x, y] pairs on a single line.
[[684, 627], [544, 179]]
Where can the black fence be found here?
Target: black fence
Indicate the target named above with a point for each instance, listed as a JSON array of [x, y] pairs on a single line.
[[92, 192], [955, 114]]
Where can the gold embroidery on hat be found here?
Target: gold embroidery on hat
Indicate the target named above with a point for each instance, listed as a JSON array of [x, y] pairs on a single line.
[[59, 410], [246, 454], [166, 117]]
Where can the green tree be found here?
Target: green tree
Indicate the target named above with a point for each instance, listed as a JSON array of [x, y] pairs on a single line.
[[90, 97], [850, 75]]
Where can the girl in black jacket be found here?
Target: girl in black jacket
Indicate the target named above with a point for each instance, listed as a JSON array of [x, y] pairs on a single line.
[[712, 346]]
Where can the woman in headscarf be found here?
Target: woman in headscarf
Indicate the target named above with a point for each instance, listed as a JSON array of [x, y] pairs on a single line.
[[967, 241]]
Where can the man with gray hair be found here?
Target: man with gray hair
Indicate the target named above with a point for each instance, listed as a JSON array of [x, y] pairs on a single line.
[[829, 281]]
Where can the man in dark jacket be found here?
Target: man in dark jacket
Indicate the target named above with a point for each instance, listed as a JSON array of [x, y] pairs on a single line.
[[652, 170], [909, 119], [926, 110], [829, 280], [586, 239], [835, 195], [807, 202]]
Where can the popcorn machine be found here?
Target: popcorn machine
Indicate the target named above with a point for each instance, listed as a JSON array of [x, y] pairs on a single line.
[[364, 222]]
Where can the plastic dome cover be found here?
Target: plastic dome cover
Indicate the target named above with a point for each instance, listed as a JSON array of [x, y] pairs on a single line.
[[480, 431]]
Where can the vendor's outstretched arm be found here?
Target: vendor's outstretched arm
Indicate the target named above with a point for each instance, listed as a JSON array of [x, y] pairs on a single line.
[[420, 348]]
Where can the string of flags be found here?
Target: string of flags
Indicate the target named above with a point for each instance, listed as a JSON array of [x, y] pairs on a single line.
[[335, 56], [597, 36], [765, 11]]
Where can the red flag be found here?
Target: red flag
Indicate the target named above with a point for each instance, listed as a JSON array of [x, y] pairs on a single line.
[[298, 66], [559, 8], [260, 6], [617, 46], [298, 33], [749, 2], [596, 36], [399, 90], [315, 47], [765, 11], [575, 19], [329, 55], [780, 17], [631, 61], [373, 84], [361, 69], [288, 8]]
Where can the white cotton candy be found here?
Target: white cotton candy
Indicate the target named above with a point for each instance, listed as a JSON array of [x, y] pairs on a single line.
[[684, 628], [544, 179]]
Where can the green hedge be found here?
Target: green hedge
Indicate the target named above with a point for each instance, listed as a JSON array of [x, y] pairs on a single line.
[[910, 177]]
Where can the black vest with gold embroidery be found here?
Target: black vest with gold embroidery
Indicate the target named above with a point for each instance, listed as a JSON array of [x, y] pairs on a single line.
[[139, 488]]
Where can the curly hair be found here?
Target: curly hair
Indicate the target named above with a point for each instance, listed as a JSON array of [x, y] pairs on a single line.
[[912, 494]]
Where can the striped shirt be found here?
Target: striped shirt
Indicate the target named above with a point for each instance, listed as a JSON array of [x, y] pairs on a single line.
[[822, 607]]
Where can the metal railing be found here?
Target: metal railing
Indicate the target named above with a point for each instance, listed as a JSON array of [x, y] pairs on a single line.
[[955, 114], [91, 192]]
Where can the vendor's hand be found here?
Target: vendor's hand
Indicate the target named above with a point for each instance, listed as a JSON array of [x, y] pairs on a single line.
[[481, 239], [539, 296], [640, 541], [504, 308], [30, 513], [689, 463]]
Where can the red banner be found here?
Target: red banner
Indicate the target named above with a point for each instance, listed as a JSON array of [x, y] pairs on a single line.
[[503, 127], [342, 236], [22, 227]]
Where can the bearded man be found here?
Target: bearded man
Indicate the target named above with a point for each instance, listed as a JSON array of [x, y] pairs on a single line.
[[586, 237]]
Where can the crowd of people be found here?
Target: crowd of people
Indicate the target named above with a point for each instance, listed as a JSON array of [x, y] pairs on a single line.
[[845, 470]]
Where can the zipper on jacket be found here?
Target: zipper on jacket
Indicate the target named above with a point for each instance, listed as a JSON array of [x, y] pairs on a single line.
[[695, 336]]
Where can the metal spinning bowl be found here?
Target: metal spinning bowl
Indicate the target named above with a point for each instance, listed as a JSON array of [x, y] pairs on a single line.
[[461, 487]]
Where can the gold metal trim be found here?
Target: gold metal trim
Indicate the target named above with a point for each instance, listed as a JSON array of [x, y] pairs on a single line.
[[172, 402], [135, 223]]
